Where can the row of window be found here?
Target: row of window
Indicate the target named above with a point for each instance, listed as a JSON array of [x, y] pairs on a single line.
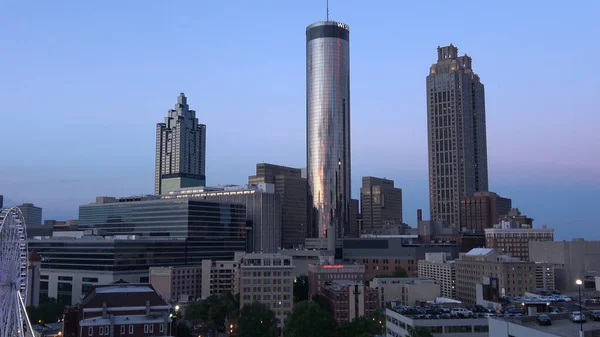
[[105, 330]]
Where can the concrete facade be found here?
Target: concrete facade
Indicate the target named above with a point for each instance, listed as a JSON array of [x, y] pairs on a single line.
[[268, 279], [407, 290], [291, 188], [437, 267], [397, 325], [456, 133], [572, 260], [177, 284], [515, 277], [380, 203]]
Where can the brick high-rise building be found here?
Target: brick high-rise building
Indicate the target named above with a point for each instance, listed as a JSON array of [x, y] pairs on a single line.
[[350, 300], [482, 210], [380, 203], [456, 132], [510, 238], [320, 274]]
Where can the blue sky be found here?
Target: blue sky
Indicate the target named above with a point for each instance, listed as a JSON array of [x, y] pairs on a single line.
[[83, 83]]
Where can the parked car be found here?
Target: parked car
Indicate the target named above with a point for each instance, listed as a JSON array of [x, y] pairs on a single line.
[[544, 319], [595, 315], [577, 317], [461, 312]]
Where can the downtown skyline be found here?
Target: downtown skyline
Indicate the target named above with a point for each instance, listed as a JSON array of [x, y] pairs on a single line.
[[388, 118]]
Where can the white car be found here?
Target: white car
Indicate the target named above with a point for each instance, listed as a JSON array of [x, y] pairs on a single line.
[[461, 312]]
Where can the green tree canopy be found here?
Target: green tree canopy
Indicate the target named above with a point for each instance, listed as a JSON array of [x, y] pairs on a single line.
[[47, 312], [214, 309], [418, 331], [398, 272], [360, 326], [322, 302], [256, 320], [301, 289], [309, 319]]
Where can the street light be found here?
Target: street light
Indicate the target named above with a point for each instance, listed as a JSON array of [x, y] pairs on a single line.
[[176, 308], [579, 283]]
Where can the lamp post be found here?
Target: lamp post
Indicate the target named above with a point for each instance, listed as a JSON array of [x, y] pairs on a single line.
[[579, 283]]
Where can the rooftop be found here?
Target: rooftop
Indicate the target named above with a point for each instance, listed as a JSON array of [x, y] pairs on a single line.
[[124, 288], [480, 251], [561, 326]]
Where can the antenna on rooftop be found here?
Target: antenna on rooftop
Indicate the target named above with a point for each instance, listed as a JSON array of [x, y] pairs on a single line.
[[327, 10]]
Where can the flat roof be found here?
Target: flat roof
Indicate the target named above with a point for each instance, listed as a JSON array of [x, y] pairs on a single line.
[[562, 327]]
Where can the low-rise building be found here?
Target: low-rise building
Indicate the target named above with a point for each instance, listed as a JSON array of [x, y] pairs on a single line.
[[268, 279], [319, 274], [514, 277], [527, 327], [512, 239], [121, 309], [406, 290], [350, 300], [437, 267], [177, 283], [220, 276], [398, 325]]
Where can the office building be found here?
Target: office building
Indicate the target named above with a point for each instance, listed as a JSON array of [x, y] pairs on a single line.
[[572, 260], [380, 203], [513, 276], [1, 201], [180, 150], [511, 239], [470, 240], [328, 129], [382, 255], [528, 327], [321, 274], [305, 257], [210, 229], [221, 276], [514, 215], [355, 219], [456, 134], [263, 210], [437, 266], [120, 309], [350, 300], [268, 279], [398, 324], [177, 283], [406, 290], [482, 210], [544, 276], [290, 186], [31, 214], [437, 231], [33, 279]]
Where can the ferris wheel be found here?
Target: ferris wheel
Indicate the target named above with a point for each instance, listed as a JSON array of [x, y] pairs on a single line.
[[13, 274]]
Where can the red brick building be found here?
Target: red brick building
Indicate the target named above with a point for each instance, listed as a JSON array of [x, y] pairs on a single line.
[[123, 309], [350, 300], [319, 274]]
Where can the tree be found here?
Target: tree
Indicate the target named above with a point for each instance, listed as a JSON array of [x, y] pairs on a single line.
[[398, 272], [418, 331], [47, 312], [301, 289], [309, 319], [322, 302], [214, 309], [256, 320]]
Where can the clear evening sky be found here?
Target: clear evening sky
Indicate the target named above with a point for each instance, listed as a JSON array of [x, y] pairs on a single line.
[[83, 84]]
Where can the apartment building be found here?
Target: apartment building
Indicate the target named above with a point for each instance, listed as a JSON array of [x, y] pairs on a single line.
[[437, 267], [220, 276], [350, 300], [177, 283], [268, 279], [515, 277], [510, 238], [407, 290]]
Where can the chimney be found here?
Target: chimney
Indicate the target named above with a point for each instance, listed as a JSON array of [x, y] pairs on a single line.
[[419, 215]]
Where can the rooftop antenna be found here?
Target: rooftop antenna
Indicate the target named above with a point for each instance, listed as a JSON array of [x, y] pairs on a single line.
[[328, 10]]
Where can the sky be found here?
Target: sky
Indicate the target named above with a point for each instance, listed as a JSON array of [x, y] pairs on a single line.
[[83, 84]]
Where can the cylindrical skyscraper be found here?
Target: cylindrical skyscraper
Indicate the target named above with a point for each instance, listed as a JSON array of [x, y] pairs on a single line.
[[328, 129]]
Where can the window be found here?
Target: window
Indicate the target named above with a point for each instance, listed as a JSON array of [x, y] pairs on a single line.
[[106, 330], [101, 331], [90, 331], [146, 328], [161, 328], [131, 329], [151, 328], [122, 329]]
